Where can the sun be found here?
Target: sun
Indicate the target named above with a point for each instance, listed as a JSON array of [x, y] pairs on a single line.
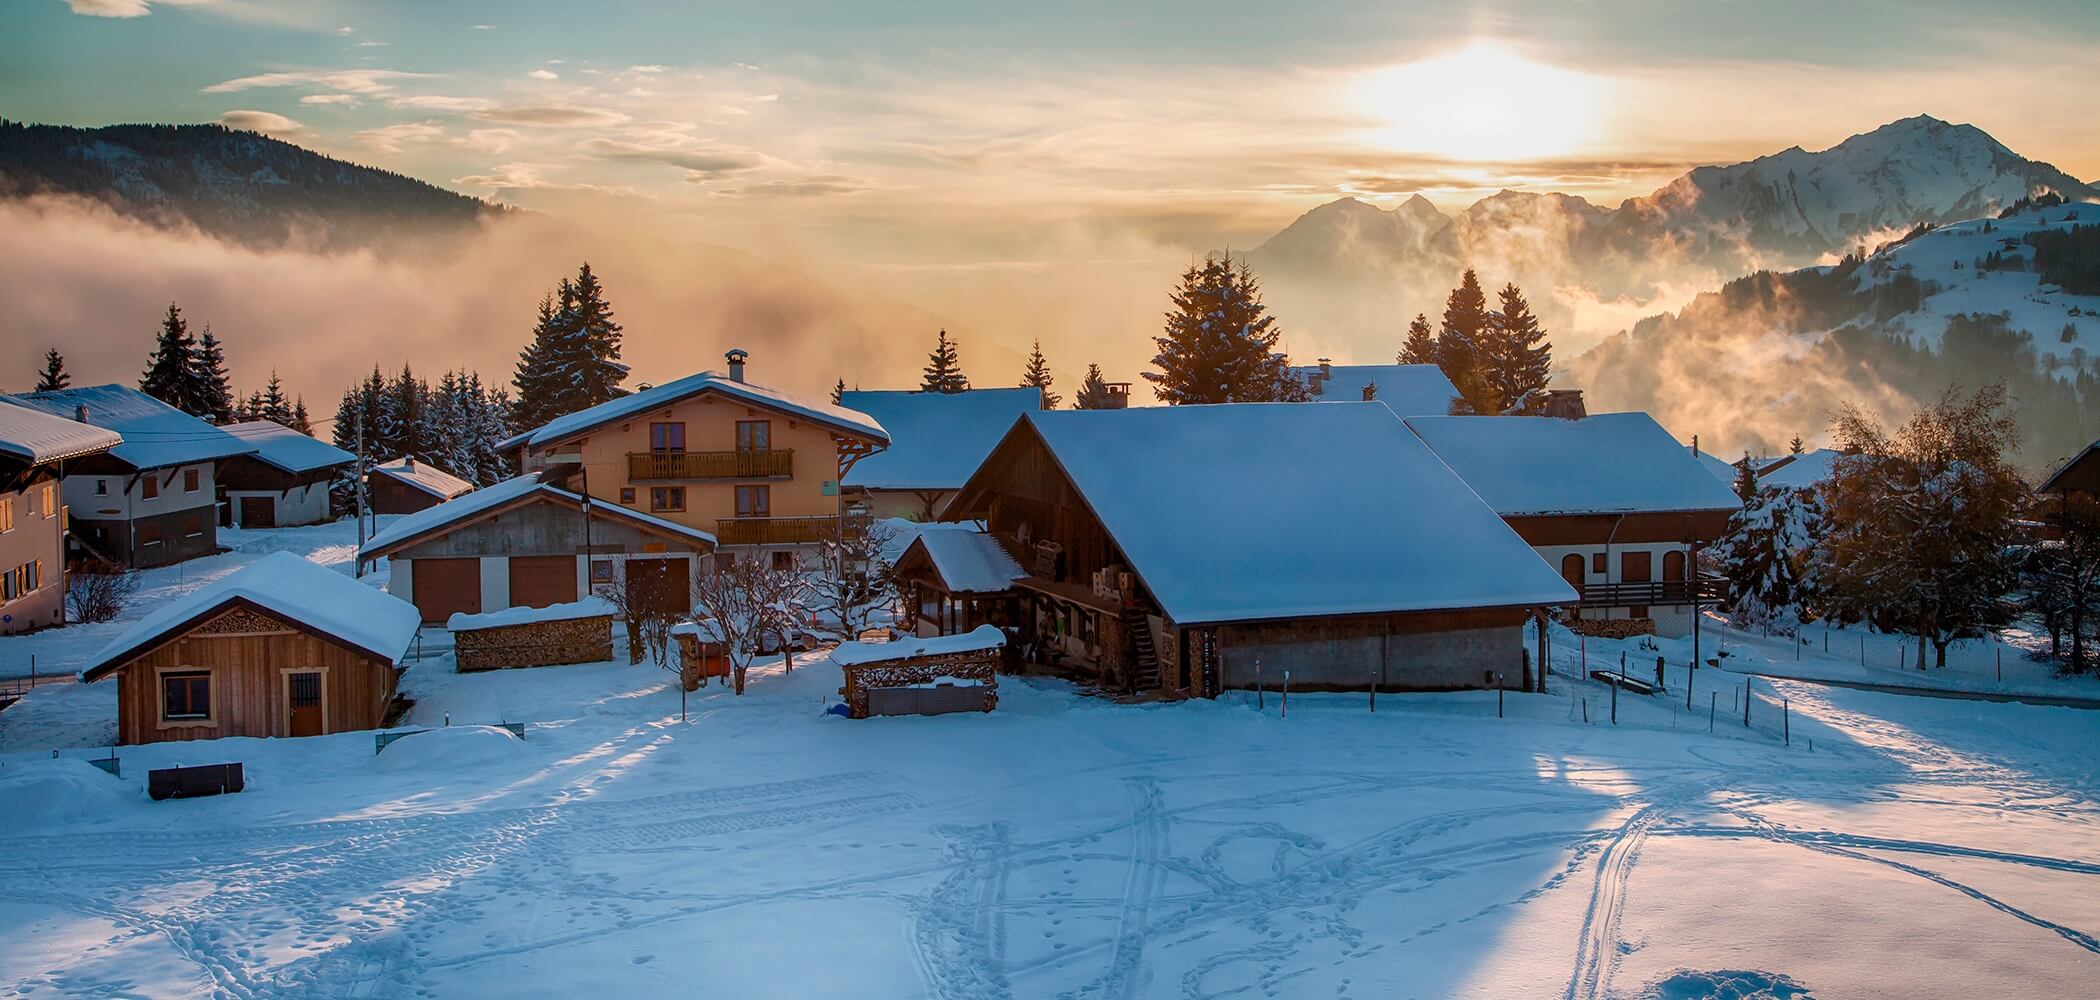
[[1482, 103]]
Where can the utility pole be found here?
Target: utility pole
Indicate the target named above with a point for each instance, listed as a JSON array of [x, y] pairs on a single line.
[[360, 561]]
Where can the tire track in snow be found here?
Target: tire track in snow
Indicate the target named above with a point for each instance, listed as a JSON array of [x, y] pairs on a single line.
[[1597, 950]]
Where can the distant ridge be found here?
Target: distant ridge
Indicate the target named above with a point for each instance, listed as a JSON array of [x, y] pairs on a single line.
[[244, 187]]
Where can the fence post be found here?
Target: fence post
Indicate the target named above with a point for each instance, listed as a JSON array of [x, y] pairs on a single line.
[[1688, 675], [2001, 662], [1261, 701], [1614, 704], [1746, 703], [1713, 701], [1374, 691], [1862, 651], [1786, 722], [1499, 688], [1286, 711], [1585, 710], [1659, 685]]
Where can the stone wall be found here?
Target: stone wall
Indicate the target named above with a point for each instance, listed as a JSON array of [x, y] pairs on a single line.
[[534, 644]]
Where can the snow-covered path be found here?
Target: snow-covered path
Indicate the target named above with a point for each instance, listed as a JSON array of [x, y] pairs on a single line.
[[1070, 847]]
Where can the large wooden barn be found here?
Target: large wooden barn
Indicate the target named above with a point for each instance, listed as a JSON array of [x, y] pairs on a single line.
[[283, 647], [530, 542], [1193, 549]]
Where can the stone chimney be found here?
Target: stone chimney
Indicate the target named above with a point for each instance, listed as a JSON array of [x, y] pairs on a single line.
[[1370, 391], [737, 356], [1565, 404], [1118, 396], [80, 412], [1316, 382]]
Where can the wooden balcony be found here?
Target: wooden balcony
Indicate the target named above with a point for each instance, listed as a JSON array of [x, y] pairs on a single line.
[[1653, 592], [773, 530], [660, 466]]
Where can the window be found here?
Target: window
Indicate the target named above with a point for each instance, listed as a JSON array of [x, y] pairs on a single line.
[[754, 435], [725, 561], [1637, 611], [185, 695], [21, 581], [50, 500], [189, 480], [666, 498], [784, 562], [7, 514], [101, 487], [601, 571], [667, 437], [754, 501], [149, 487], [627, 495], [1598, 563]]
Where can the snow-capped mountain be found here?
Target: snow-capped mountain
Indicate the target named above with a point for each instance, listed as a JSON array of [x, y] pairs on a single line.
[[1346, 232], [2012, 298]]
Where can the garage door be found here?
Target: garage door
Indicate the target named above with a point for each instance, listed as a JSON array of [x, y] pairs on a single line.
[[661, 583], [538, 581], [445, 587], [258, 512]]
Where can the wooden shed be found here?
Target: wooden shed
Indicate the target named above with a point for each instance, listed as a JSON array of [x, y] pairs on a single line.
[[284, 647], [405, 486], [950, 673]]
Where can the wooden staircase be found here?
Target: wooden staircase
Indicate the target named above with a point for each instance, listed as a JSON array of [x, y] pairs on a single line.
[[1144, 671]]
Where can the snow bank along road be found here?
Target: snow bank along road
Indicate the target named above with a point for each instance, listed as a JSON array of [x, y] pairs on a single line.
[[1066, 847]]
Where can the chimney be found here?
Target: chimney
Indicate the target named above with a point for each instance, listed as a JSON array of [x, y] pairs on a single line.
[[1118, 396], [1565, 404], [408, 463], [1370, 391], [737, 356], [1326, 368], [80, 412]]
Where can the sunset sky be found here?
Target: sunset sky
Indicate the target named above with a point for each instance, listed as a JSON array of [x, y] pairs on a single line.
[[954, 134]]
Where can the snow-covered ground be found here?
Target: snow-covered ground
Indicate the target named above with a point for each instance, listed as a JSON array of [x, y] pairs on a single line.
[[1852, 843]]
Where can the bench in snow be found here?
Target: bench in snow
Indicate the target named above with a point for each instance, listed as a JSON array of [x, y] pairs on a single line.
[[1633, 684]]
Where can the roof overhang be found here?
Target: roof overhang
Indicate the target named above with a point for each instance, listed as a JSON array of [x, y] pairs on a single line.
[[544, 493], [124, 657]]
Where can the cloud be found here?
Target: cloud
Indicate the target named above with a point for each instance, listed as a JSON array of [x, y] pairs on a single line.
[[552, 115], [352, 81], [706, 164], [391, 138], [544, 74], [124, 8], [371, 44], [260, 121], [440, 102], [645, 69], [822, 185], [342, 100]]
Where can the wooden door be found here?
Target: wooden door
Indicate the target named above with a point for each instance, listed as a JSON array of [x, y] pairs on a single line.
[[1571, 570], [258, 512], [539, 581], [445, 587], [1636, 567], [661, 583], [305, 713]]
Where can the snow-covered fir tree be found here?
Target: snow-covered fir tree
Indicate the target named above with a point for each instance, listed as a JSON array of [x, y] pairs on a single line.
[[1764, 556], [214, 388], [1420, 348], [573, 360], [944, 368], [1037, 374], [54, 376], [171, 371], [1458, 346], [535, 392], [1219, 342], [402, 424], [1093, 391], [1515, 358], [301, 420], [838, 393]]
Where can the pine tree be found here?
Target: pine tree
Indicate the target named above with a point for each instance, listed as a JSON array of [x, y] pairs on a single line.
[[594, 343], [170, 374], [1420, 348], [944, 368], [1764, 553], [1219, 343], [1093, 392], [1458, 346], [534, 389], [1037, 374], [249, 408], [1796, 446], [1746, 478], [403, 426], [838, 393], [1515, 358], [301, 422], [214, 389], [54, 376]]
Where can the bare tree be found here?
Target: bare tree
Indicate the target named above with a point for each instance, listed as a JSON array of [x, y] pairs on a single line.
[[98, 593], [648, 620], [748, 599], [852, 582]]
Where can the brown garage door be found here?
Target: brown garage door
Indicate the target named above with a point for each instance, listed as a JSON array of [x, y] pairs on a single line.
[[661, 583], [538, 581], [258, 512], [445, 587]]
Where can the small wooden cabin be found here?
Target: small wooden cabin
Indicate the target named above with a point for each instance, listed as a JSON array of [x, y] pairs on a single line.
[[957, 578], [405, 486], [284, 647]]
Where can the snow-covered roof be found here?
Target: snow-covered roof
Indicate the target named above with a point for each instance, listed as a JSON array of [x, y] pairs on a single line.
[[592, 606], [1606, 463], [1249, 511], [424, 476], [854, 654], [628, 406], [2079, 472], [1721, 468], [936, 439], [1409, 390], [34, 437], [323, 600], [900, 532], [970, 562], [155, 434], [1799, 471], [469, 506], [287, 449]]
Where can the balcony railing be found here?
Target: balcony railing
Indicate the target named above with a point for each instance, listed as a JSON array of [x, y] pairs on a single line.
[[773, 530], [1657, 592], [643, 466]]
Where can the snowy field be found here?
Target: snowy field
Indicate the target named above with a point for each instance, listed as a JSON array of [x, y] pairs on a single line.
[[1848, 844]]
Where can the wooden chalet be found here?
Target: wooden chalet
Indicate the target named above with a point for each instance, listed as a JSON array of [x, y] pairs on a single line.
[[1192, 549], [1610, 499], [2081, 474], [283, 647], [406, 486], [532, 542], [283, 483]]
